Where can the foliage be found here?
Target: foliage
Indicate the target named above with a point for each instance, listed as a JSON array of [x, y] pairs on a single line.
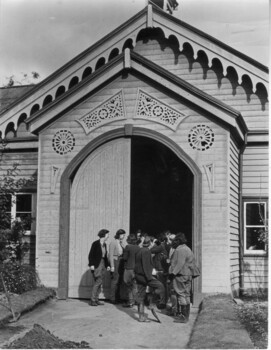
[[18, 278], [10, 184], [24, 80], [263, 237], [12, 245], [254, 316]]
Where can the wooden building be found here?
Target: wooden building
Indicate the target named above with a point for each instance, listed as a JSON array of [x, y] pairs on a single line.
[[156, 126]]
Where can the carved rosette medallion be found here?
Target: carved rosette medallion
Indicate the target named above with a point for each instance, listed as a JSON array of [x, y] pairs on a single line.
[[149, 108], [201, 137], [110, 110], [63, 142]]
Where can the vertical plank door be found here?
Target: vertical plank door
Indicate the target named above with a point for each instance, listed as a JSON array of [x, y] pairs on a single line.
[[100, 198]]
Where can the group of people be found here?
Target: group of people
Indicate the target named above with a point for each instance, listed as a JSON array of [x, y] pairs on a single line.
[[155, 271]]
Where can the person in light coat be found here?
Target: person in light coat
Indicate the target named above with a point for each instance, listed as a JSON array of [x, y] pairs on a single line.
[[116, 248], [181, 271]]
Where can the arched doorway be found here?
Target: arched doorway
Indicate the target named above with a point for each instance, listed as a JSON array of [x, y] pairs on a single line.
[[161, 189], [135, 137]]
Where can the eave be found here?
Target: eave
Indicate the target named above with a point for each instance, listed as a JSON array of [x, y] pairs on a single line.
[[136, 64]]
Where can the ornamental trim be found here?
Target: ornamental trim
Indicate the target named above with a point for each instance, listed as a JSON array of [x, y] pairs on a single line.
[[150, 108], [63, 142], [201, 137], [108, 111]]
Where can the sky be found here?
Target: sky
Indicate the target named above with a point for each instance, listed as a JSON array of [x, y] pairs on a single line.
[[43, 35]]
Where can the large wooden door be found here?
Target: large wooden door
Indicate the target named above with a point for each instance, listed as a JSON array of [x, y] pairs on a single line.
[[100, 198]]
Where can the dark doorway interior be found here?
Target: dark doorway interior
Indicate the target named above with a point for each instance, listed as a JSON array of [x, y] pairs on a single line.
[[161, 190]]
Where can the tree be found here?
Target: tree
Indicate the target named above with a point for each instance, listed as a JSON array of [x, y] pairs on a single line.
[[24, 80]]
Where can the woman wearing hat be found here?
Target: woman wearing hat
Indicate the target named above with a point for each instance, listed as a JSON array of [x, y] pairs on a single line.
[[98, 263], [115, 257]]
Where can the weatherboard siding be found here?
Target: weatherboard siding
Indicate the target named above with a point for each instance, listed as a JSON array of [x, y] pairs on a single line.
[[197, 73], [256, 185], [215, 244], [256, 172], [256, 274]]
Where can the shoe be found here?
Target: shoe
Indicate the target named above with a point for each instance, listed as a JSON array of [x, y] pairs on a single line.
[[173, 313], [130, 305], [99, 302], [112, 302], [142, 316], [92, 303], [183, 317]]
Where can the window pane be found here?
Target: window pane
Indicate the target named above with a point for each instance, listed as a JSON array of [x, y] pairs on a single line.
[[253, 243], [255, 214], [23, 203]]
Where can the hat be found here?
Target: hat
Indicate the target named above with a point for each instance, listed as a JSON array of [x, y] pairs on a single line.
[[132, 239], [102, 233], [146, 242], [180, 237]]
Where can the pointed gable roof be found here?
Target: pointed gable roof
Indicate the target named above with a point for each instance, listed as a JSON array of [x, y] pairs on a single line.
[[136, 64], [91, 60]]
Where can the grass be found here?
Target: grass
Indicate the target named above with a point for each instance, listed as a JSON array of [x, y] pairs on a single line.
[[253, 314]]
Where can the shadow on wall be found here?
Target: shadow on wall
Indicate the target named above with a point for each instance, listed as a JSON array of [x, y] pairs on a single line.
[[255, 279]]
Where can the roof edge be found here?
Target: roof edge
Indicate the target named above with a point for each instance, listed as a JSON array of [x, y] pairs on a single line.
[[157, 70], [213, 39]]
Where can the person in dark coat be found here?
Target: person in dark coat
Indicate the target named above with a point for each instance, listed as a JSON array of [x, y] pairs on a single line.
[[98, 263], [143, 274], [182, 270], [159, 258], [129, 254]]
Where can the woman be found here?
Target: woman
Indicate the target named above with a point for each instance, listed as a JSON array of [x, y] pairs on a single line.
[[115, 256], [98, 263]]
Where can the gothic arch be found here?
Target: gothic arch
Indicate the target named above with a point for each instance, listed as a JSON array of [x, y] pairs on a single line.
[[71, 169]]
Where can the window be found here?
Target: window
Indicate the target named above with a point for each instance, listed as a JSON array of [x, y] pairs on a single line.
[[255, 223], [23, 207]]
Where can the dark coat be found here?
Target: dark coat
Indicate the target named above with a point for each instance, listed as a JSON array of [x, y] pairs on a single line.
[[143, 265], [129, 254], [95, 255], [160, 257]]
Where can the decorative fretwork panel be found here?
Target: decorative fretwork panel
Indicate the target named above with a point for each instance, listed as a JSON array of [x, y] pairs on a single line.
[[110, 110], [201, 137], [149, 108], [63, 142]]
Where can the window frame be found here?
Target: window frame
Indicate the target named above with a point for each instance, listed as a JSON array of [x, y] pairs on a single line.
[[251, 200], [13, 211]]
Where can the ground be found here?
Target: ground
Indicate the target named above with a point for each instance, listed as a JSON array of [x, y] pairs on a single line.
[[219, 324]]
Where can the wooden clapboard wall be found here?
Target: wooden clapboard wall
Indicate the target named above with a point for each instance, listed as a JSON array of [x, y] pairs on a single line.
[[256, 185], [215, 232], [180, 61], [216, 242]]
